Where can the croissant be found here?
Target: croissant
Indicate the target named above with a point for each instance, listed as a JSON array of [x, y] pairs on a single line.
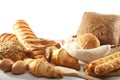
[[62, 58], [41, 68], [7, 36], [103, 65]]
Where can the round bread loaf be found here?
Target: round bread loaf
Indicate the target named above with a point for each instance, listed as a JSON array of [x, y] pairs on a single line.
[[87, 41], [13, 50]]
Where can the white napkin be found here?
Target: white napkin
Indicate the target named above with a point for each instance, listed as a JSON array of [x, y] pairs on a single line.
[[87, 55]]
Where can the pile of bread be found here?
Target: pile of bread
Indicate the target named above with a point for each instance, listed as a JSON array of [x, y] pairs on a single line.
[[96, 44], [98, 30], [36, 54]]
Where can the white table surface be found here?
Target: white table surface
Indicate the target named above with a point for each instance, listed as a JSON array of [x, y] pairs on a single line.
[[28, 76]]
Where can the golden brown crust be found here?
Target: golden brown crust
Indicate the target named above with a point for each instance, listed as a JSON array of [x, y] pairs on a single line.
[[62, 58], [87, 41], [7, 36], [106, 27], [107, 67], [13, 50], [103, 65], [41, 68], [35, 46], [27, 38]]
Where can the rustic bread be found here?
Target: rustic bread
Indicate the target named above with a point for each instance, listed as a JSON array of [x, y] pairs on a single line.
[[106, 27]]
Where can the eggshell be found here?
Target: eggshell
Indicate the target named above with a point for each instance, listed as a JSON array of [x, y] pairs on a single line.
[[6, 64], [18, 67]]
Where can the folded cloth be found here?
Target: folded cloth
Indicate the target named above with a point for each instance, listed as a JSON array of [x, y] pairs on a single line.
[[87, 55]]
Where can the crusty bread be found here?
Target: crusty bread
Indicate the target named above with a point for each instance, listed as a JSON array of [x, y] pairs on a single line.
[[13, 50], [87, 41], [7, 36], [27, 38], [35, 46], [106, 27], [103, 65], [25, 35]]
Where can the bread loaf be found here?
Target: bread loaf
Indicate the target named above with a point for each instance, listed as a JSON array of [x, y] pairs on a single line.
[[25, 35], [105, 27], [7, 36], [35, 46], [103, 65], [27, 38]]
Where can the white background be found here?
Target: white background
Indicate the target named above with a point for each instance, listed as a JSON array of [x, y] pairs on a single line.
[[53, 19]]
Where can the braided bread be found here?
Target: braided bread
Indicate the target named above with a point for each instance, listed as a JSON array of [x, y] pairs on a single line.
[[103, 65]]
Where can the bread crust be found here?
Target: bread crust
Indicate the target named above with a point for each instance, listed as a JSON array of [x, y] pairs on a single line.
[[105, 27]]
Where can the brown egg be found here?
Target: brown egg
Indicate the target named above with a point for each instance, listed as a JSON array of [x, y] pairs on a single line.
[[6, 64], [19, 67]]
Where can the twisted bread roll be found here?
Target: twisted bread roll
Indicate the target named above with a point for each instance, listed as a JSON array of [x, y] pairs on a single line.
[[62, 58], [7, 36], [41, 68]]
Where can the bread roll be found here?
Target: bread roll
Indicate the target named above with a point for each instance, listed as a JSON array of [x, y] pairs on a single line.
[[103, 65], [105, 27], [87, 41], [12, 50]]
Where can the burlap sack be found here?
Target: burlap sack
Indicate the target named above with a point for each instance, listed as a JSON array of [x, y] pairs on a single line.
[[106, 27]]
